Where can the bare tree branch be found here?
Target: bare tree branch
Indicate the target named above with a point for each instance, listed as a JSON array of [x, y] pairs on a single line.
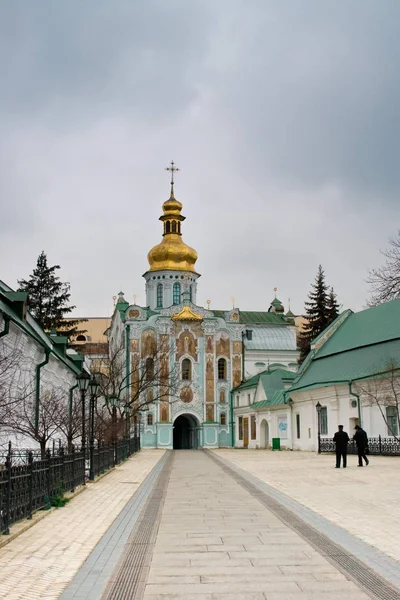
[[385, 281]]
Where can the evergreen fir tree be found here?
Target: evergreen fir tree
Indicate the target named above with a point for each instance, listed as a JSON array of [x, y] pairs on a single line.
[[332, 306], [321, 310], [48, 298]]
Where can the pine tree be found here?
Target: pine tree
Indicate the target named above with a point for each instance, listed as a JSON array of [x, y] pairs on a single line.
[[48, 298], [321, 309], [332, 306]]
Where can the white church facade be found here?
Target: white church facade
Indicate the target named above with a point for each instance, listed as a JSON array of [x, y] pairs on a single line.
[[203, 354]]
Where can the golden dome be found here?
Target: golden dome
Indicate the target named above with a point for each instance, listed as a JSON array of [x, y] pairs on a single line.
[[172, 254]]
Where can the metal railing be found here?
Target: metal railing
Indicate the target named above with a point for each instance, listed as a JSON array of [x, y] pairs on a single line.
[[383, 446], [29, 482]]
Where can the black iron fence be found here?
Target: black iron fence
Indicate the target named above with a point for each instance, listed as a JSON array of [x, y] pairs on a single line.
[[29, 482], [384, 446]]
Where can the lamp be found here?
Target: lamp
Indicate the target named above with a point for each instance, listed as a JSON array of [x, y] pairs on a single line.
[[318, 407], [83, 380], [93, 386]]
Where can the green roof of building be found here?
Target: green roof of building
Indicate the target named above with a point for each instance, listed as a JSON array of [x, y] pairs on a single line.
[[273, 382], [248, 317], [363, 344]]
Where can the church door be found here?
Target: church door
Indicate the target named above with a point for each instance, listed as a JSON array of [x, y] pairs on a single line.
[[245, 432]]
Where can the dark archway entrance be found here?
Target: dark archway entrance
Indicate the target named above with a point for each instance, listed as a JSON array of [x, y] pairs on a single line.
[[186, 433]]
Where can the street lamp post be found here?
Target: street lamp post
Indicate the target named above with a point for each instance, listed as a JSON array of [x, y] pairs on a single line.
[[318, 407], [83, 384], [93, 386]]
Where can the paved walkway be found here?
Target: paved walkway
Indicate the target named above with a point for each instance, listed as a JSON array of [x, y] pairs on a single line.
[[364, 501], [43, 560], [217, 542]]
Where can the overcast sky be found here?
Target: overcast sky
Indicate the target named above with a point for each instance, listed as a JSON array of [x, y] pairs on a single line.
[[283, 116]]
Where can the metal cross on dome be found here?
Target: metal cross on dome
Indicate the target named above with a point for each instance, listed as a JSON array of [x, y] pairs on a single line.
[[173, 169]]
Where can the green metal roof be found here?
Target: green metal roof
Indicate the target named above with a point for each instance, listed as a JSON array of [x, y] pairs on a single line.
[[372, 326], [363, 345], [272, 382], [9, 307], [277, 398], [248, 317]]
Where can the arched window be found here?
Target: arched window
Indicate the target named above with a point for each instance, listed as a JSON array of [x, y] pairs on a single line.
[[159, 295], [222, 419], [221, 368], [176, 293], [149, 369], [81, 338], [186, 369], [149, 418], [168, 227], [222, 397], [173, 226], [191, 293]]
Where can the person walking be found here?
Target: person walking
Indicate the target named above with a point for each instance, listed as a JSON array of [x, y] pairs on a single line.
[[361, 439], [341, 440]]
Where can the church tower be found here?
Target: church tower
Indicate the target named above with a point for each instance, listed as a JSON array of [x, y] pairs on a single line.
[[171, 277]]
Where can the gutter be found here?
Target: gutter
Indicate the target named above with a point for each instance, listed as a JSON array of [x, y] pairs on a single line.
[[37, 393], [358, 402]]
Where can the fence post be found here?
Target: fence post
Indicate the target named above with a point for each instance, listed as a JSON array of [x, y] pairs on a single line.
[[380, 444], [73, 467], [48, 457], [319, 443], [61, 451], [8, 497], [30, 473]]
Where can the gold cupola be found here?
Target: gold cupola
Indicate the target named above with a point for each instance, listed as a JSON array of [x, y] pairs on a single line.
[[172, 254]]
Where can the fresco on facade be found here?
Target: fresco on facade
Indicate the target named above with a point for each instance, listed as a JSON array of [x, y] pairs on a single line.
[[210, 412], [149, 343], [223, 345], [164, 413], [134, 345], [236, 370], [186, 394], [186, 344]]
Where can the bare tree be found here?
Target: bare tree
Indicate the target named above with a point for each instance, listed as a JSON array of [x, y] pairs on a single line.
[[20, 418], [122, 395], [385, 281], [384, 392], [68, 418]]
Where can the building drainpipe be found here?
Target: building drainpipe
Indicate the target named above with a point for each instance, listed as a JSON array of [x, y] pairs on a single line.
[[6, 329], [37, 394], [358, 402], [232, 419], [71, 397]]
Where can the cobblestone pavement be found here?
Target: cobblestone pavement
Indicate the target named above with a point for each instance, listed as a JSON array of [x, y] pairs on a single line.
[[43, 560], [217, 542], [364, 501]]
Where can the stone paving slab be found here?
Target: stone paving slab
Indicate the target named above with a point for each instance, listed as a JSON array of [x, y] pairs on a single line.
[[363, 501], [43, 560], [238, 563]]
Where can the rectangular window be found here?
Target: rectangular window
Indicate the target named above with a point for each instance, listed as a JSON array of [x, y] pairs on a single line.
[[324, 421], [248, 398], [240, 428], [253, 427], [392, 419], [237, 400], [298, 426]]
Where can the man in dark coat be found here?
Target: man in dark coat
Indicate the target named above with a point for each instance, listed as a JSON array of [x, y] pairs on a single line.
[[361, 439], [341, 440]]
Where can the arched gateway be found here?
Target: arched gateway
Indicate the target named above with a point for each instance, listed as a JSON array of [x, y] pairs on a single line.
[[186, 433]]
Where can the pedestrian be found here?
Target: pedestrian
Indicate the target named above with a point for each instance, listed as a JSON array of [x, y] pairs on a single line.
[[361, 439], [341, 440]]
